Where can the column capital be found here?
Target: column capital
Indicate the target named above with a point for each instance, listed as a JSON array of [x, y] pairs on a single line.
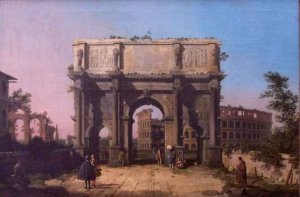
[[214, 89], [115, 85], [127, 118], [177, 87]]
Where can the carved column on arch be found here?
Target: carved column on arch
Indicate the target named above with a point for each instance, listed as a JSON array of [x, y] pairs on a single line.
[[78, 117], [127, 126], [176, 95], [83, 116], [115, 115], [213, 115]]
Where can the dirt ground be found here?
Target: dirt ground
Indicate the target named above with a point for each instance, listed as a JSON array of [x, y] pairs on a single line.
[[145, 180]]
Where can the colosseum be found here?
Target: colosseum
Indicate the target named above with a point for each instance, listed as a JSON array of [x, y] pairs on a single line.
[[150, 131], [240, 126]]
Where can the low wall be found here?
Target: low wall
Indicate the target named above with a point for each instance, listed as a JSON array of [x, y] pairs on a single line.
[[278, 176], [57, 161], [8, 160]]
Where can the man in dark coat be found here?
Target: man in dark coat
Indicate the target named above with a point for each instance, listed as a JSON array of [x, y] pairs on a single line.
[[173, 158], [241, 173], [86, 172]]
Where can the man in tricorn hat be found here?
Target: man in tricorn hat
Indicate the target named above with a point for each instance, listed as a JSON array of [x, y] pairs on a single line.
[[86, 172]]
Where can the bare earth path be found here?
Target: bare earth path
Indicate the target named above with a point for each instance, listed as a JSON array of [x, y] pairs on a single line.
[[146, 180]]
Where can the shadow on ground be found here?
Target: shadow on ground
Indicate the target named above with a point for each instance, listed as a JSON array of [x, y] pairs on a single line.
[[256, 187], [139, 194], [34, 192], [62, 192]]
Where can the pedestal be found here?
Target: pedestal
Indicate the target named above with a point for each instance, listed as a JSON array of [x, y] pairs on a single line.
[[213, 156], [113, 156], [80, 150], [179, 152]]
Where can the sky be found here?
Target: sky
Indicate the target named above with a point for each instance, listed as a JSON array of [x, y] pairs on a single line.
[[36, 42]]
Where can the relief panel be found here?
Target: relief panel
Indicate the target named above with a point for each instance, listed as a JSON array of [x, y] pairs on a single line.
[[202, 108], [198, 58], [100, 58]]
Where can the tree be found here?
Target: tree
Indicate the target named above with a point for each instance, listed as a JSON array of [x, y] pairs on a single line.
[[20, 100], [223, 56], [283, 101], [285, 138]]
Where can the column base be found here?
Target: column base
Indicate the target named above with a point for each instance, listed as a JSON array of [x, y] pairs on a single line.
[[80, 150], [113, 156], [180, 152], [213, 157]]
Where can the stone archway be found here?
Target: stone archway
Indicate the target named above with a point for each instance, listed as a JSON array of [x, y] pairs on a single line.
[[27, 117], [114, 76], [128, 121]]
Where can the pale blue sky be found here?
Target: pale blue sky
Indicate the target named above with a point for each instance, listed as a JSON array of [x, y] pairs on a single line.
[[36, 42]]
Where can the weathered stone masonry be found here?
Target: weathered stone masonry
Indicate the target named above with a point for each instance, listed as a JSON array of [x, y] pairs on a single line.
[[113, 77]]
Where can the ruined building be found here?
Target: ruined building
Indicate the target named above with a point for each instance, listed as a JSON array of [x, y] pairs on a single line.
[[244, 127], [150, 131], [4, 90]]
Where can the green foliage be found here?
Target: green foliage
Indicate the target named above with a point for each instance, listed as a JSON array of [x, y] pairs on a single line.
[[227, 150], [70, 68], [223, 56], [210, 37], [145, 37], [285, 139], [282, 100], [270, 154], [40, 149], [20, 100], [245, 147], [116, 37], [9, 145], [182, 39]]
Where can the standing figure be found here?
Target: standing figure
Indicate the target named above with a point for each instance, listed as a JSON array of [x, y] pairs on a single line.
[[158, 156], [122, 156], [173, 158], [241, 173], [86, 172], [93, 163], [20, 182]]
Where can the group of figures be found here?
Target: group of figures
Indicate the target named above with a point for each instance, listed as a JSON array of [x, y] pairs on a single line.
[[88, 172], [172, 159]]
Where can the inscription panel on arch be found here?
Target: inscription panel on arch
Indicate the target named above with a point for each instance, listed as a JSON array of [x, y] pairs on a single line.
[[148, 59]]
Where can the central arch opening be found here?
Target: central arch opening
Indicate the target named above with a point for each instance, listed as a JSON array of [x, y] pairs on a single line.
[[35, 128], [148, 130], [104, 138]]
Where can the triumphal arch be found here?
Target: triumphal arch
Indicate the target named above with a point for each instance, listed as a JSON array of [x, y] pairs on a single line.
[[113, 77]]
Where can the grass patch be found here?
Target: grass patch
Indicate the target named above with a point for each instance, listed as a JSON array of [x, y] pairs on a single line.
[[181, 171], [2, 186], [279, 188]]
